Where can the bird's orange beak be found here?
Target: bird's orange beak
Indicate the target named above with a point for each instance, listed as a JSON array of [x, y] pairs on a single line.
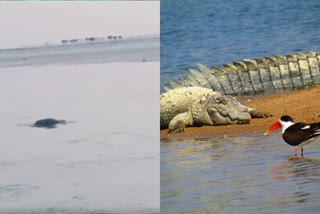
[[274, 126]]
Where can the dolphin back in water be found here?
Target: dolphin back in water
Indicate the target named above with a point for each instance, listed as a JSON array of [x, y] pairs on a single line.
[[48, 123]]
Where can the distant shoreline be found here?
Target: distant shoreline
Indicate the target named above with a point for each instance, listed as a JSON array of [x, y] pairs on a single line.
[[302, 105], [82, 41], [142, 49]]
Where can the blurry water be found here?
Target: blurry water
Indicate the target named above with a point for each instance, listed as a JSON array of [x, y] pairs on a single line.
[[239, 175], [105, 160]]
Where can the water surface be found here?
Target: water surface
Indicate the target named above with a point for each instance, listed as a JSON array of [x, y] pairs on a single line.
[[253, 174], [107, 159]]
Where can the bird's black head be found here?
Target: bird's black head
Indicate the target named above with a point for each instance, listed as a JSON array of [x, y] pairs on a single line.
[[286, 118]]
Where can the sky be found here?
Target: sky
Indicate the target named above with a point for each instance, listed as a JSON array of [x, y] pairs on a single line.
[[36, 22]]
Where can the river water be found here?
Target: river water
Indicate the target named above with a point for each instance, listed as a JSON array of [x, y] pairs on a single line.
[[238, 175], [106, 159], [245, 174]]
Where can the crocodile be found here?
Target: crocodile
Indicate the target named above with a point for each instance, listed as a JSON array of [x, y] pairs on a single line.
[[269, 74], [198, 106]]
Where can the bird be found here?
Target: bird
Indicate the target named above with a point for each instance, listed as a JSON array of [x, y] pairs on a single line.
[[296, 134]]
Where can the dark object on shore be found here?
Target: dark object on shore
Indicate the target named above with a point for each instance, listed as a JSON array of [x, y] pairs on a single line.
[[48, 123]]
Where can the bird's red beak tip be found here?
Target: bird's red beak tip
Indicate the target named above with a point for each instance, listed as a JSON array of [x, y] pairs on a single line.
[[274, 126]]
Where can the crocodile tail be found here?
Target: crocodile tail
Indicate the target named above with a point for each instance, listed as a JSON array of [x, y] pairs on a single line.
[[258, 75]]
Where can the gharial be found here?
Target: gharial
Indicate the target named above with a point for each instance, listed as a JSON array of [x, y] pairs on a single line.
[[197, 106]]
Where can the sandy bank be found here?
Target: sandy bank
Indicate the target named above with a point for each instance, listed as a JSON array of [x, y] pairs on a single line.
[[302, 105]]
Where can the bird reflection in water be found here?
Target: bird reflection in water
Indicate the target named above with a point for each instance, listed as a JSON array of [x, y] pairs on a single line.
[[298, 172]]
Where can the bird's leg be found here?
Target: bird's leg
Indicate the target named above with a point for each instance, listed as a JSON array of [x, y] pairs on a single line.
[[301, 151], [296, 151]]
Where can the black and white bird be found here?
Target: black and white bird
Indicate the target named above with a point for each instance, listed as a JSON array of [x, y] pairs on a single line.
[[296, 134]]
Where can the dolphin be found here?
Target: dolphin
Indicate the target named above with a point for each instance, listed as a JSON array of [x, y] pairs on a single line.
[[48, 123]]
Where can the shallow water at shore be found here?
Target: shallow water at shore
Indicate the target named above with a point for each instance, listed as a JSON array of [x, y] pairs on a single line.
[[253, 174]]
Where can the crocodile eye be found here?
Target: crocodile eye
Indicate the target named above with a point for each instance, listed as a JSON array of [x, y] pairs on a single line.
[[224, 102], [221, 100]]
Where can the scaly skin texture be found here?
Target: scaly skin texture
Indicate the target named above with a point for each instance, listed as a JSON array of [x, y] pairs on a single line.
[[197, 106], [269, 74]]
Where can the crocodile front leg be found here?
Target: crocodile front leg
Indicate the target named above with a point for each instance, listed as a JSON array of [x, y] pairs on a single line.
[[180, 121]]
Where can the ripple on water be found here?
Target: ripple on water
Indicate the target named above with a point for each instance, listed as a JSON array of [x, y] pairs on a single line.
[[16, 191]]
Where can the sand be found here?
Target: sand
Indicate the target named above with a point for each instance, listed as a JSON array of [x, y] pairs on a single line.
[[302, 105]]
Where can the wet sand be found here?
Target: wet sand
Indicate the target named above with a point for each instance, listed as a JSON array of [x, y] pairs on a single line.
[[302, 105]]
